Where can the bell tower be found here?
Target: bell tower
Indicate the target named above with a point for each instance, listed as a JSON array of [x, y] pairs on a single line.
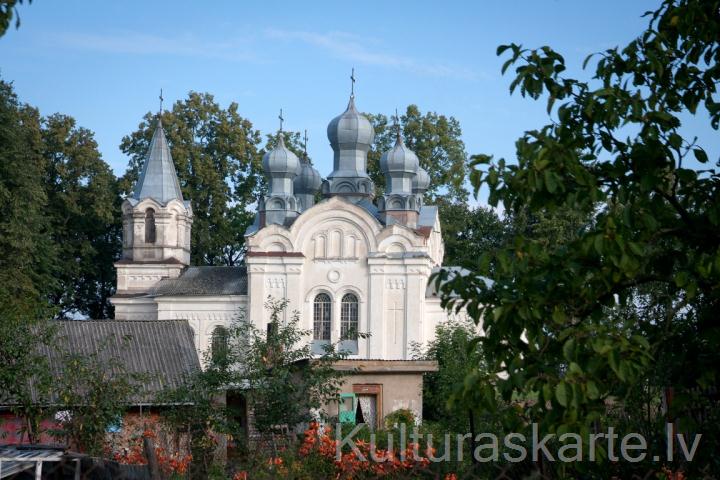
[[156, 227]]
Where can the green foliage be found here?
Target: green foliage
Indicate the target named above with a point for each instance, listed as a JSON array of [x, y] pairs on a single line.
[[401, 416], [436, 141], [469, 232], [561, 318], [216, 157], [26, 256], [60, 229], [8, 10], [198, 407], [26, 250], [91, 393], [276, 372], [285, 383], [84, 211]]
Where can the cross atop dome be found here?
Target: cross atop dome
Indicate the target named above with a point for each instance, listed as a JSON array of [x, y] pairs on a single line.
[[352, 83]]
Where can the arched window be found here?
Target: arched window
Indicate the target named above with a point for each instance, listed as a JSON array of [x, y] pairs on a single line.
[[219, 344], [349, 317], [149, 225], [321, 317]]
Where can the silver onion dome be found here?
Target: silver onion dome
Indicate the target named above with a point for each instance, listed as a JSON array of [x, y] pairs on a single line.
[[350, 129], [280, 161], [399, 159], [308, 179], [421, 182]]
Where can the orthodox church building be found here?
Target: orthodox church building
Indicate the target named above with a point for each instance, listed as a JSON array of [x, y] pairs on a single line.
[[347, 262]]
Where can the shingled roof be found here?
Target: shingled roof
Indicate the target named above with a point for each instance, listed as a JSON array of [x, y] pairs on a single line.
[[162, 349], [205, 281]]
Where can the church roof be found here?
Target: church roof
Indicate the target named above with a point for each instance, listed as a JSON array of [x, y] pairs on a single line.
[[204, 281], [158, 179], [427, 216], [164, 350]]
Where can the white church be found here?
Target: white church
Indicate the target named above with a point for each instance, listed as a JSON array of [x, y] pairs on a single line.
[[347, 263]]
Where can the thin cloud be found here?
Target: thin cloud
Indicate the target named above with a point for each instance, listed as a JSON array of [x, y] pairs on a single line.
[[136, 43], [350, 47]]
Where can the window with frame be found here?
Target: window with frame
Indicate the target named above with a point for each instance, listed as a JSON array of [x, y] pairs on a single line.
[[349, 317], [322, 314], [149, 225], [219, 344]]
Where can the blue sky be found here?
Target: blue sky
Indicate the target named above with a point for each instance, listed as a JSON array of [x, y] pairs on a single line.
[[105, 62]]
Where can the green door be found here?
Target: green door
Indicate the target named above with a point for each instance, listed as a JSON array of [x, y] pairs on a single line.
[[346, 408]]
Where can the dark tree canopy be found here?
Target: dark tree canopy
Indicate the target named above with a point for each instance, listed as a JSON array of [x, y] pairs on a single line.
[[566, 321], [27, 255], [469, 232], [84, 211], [216, 156]]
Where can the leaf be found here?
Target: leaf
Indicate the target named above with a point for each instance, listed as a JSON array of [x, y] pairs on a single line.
[[562, 391], [614, 360], [569, 349], [501, 49], [592, 390], [700, 155], [550, 182]]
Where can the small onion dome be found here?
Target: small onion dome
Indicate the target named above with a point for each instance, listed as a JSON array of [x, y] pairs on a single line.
[[308, 179], [421, 182], [399, 159], [280, 162], [350, 129]]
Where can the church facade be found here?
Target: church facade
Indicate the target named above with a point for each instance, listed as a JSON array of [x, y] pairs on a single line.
[[347, 262]]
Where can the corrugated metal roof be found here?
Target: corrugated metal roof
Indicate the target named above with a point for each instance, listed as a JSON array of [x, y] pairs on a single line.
[[162, 349], [205, 281]]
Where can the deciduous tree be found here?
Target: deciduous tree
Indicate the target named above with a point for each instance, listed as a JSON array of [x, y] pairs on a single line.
[[83, 208], [216, 156], [615, 153]]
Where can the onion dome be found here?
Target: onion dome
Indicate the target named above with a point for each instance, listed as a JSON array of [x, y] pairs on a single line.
[[421, 182], [399, 159], [350, 130], [280, 161], [308, 179]]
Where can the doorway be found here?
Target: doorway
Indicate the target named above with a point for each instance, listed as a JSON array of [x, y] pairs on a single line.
[[369, 405]]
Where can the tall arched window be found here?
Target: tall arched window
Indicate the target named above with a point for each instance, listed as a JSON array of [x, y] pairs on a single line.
[[149, 225], [321, 317], [219, 345], [349, 317]]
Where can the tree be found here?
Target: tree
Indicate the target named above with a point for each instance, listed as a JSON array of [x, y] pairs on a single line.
[[468, 232], [84, 211], [286, 383], [216, 157], [436, 141], [26, 252], [457, 357], [200, 408], [613, 153]]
